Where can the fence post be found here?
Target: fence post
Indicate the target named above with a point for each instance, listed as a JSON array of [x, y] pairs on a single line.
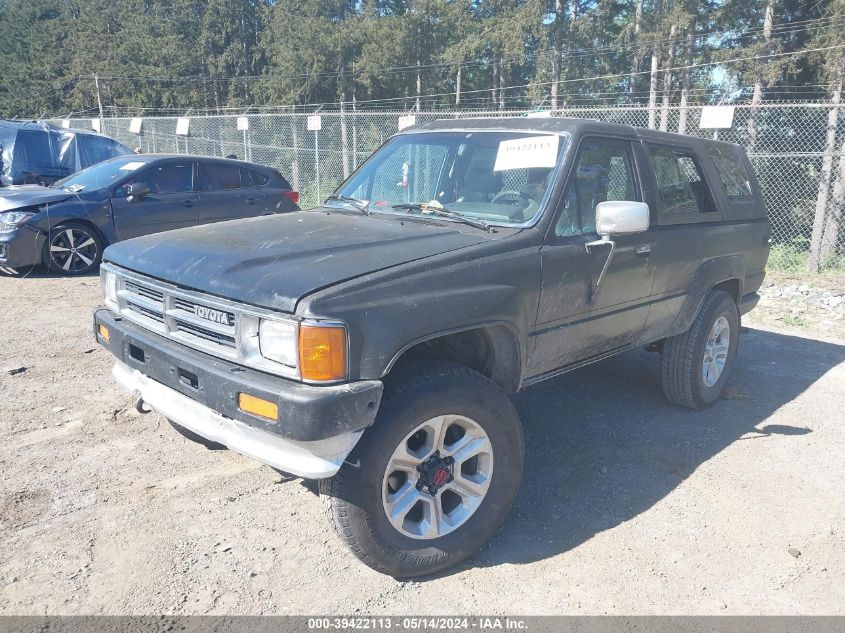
[[817, 244]]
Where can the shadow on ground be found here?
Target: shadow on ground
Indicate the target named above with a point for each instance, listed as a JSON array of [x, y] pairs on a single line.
[[39, 272], [603, 445]]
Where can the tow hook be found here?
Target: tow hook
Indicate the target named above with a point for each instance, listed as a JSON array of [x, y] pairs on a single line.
[[139, 406]]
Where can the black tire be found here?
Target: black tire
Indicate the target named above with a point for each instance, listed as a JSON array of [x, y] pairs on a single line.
[[353, 498], [68, 261], [681, 359], [194, 437]]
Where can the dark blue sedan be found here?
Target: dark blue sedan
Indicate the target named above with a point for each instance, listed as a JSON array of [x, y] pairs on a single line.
[[67, 225]]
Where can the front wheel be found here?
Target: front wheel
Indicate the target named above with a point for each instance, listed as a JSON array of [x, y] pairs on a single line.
[[433, 478], [73, 249], [695, 365]]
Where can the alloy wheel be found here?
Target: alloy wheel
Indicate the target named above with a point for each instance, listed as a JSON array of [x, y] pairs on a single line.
[[437, 477], [716, 351], [73, 249]]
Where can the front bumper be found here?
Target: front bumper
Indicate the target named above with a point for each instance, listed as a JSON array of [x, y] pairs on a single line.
[[21, 247], [317, 426]]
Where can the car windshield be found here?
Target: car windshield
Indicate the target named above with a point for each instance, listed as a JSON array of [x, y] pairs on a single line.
[[502, 178], [100, 175]]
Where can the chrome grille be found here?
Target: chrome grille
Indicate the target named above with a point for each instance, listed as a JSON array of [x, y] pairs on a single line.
[[217, 326]]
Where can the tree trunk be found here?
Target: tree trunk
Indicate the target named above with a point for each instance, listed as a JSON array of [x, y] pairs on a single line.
[[419, 85], [557, 46], [820, 216], [687, 77], [759, 86], [833, 226], [655, 64], [667, 80], [458, 87], [501, 87], [635, 67], [344, 140], [494, 92]]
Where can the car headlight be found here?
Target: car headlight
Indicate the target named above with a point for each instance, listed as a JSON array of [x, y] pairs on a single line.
[[108, 281], [277, 341], [11, 220]]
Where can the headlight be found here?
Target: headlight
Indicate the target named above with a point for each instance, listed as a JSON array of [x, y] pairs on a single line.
[[13, 219], [108, 281], [277, 341]]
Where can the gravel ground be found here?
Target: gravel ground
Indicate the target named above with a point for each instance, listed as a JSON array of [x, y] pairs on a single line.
[[628, 506]]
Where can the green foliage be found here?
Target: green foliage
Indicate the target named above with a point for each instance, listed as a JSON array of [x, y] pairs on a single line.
[[216, 53]]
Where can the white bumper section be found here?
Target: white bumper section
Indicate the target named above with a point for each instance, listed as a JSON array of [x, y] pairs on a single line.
[[312, 460]]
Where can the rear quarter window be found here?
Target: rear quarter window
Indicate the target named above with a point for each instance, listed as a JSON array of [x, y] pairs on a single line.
[[683, 194], [732, 173]]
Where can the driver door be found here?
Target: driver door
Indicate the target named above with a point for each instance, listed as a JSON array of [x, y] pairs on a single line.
[[170, 204], [577, 320]]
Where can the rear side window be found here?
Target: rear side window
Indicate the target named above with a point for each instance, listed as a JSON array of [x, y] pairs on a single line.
[[170, 178], [682, 190], [257, 178], [216, 177], [732, 173]]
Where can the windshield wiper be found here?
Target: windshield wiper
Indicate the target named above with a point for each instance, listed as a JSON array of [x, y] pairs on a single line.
[[438, 209], [361, 205]]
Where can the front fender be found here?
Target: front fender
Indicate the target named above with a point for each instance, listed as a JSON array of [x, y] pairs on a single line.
[[388, 313]]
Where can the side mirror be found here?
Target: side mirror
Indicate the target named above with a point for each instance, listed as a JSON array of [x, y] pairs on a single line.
[[137, 190], [621, 217], [616, 217]]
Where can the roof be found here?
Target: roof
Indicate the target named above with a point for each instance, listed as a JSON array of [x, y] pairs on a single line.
[[43, 127], [148, 158], [554, 125]]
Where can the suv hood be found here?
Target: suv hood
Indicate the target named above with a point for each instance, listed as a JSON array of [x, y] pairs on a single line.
[[274, 261], [21, 196]]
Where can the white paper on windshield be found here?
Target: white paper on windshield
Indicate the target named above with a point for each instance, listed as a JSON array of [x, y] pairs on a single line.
[[132, 166], [528, 152]]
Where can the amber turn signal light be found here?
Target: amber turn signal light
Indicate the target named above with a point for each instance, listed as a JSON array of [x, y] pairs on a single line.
[[322, 352], [103, 331], [258, 406]]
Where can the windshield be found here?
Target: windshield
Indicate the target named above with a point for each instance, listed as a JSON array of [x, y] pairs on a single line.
[[100, 175], [498, 177]]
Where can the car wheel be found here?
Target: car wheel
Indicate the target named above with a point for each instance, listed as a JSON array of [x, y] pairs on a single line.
[[434, 477], [695, 365], [73, 249]]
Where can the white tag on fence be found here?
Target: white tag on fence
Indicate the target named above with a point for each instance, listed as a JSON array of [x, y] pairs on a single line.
[[717, 118], [135, 125], [315, 122], [243, 124], [182, 126], [407, 121]]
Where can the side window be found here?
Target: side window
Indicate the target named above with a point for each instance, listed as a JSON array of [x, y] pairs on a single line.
[[603, 171], [682, 191], [216, 177], [732, 173], [258, 178], [171, 178]]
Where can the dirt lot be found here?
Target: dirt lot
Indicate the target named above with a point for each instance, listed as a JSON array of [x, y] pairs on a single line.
[[629, 505]]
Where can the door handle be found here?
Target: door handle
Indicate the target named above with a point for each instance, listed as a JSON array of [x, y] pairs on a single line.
[[642, 249], [250, 200], [187, 203]]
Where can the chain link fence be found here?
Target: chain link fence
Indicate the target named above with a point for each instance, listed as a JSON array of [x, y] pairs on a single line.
[[798, 151]]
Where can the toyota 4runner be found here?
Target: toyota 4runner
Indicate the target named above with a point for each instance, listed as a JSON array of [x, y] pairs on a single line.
[[372, 343]]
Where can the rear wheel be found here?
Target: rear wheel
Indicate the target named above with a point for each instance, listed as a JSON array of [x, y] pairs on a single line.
[[696, 365], [73, 249], [433, 478]]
